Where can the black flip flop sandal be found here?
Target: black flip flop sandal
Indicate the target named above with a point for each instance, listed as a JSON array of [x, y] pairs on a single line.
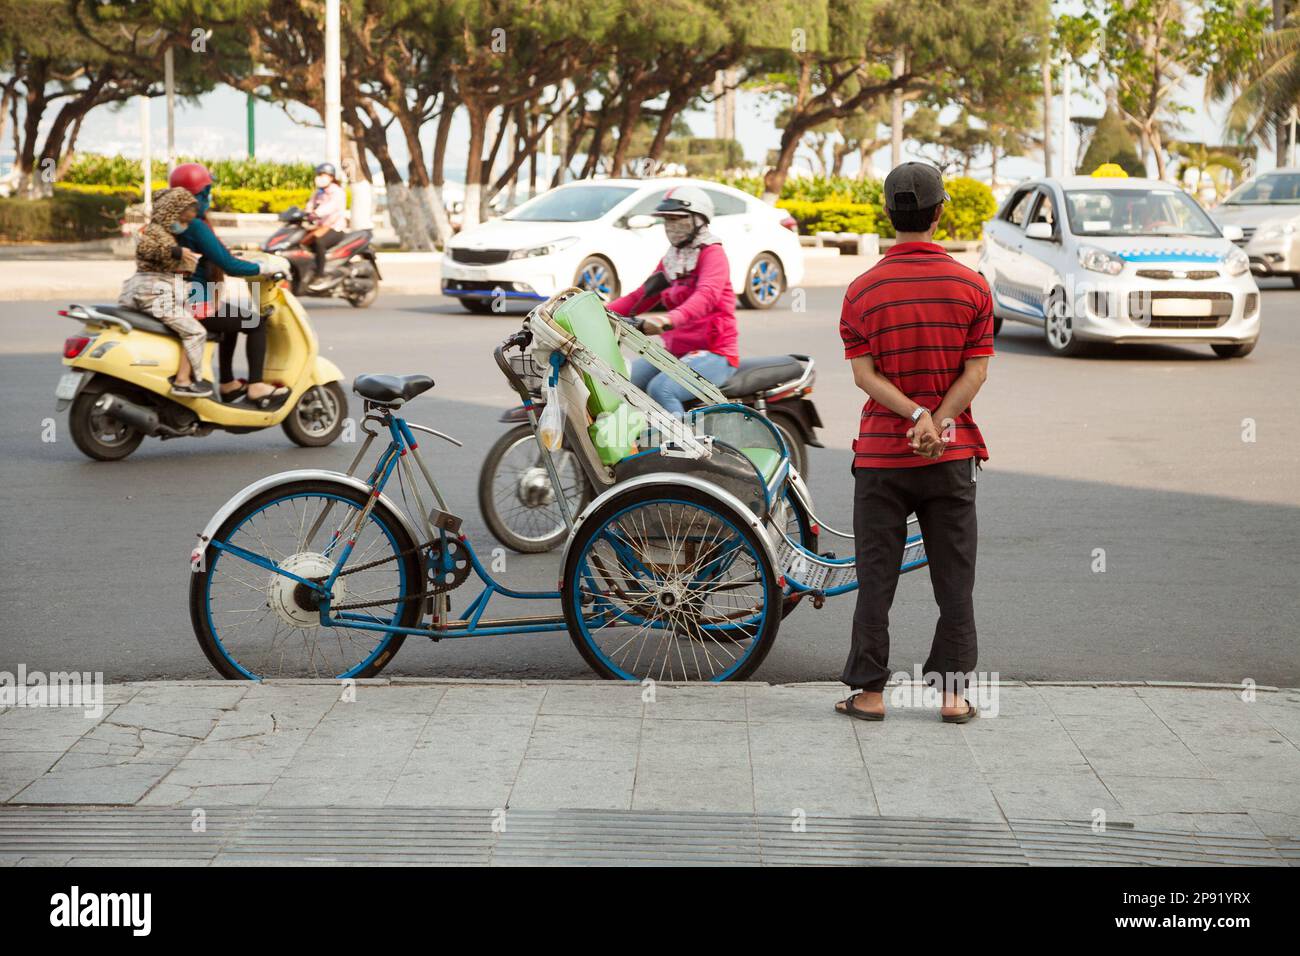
[[971, 713], [846, 708], [237, 395]]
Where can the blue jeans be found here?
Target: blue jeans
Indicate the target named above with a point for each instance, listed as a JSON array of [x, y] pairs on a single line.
[[668, 393]]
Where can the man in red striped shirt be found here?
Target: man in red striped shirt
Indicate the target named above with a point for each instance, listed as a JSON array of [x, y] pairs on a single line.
[[918, 328]]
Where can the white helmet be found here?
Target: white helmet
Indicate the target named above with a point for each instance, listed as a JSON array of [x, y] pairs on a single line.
[[683, 200]]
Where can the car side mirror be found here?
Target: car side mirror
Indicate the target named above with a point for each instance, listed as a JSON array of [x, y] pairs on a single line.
[[641, 222], [1039, 230], [1233, 233]]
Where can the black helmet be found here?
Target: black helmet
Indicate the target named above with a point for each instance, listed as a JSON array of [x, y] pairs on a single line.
[[329, 170]]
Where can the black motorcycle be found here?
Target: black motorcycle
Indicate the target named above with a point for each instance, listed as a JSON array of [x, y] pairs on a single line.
[[351, 270], [515, 493]]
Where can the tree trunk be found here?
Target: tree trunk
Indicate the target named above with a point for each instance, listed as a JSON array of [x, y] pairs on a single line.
[[1047, 111], [775, 177], [441, 223], [469, 215], [896, 112]]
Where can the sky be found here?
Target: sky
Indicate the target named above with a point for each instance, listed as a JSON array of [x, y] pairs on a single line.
[[215, 127]]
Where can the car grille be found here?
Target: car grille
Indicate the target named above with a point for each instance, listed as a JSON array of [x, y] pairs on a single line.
[[1169, 274], [481, 257], [1140, 308], [1246, 233]]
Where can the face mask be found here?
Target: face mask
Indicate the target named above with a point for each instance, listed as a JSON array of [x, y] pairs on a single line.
[[322, 181], [679, 230], [176, 227]]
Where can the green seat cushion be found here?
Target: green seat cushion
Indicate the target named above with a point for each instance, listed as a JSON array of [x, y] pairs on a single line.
[[764, 459], [584, 317]]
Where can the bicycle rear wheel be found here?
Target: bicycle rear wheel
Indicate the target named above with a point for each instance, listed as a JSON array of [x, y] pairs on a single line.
[[254, 622], [669, 583]]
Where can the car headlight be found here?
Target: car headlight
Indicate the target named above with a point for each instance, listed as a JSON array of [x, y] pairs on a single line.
[[545, 250], [1276, 229], [1236, 262], [1099, 260]]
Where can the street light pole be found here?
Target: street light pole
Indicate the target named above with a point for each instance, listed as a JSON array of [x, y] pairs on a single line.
[[333, 83], [169, 86], [1067, 167], [147, 148]]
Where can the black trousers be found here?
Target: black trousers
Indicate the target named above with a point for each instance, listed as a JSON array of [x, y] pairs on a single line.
[[943, 497], [321, 245], [229, 323]]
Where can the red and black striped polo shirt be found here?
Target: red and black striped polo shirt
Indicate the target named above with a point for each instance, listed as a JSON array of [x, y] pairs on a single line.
[[919, 314]]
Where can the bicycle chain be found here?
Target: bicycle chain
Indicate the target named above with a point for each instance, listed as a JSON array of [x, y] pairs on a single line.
[[431, 588]]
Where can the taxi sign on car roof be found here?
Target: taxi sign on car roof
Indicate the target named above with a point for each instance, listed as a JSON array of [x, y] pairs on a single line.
[[1110, 171]]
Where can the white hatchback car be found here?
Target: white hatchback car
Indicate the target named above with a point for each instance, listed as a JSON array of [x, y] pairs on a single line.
[[1125, 261], [598, 234]]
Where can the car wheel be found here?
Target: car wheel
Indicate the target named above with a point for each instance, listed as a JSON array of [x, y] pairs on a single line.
[[477, 306], [1295, 281], [997, 324], [1058, 328], [764, 282], [1239, 350], [596, 274]]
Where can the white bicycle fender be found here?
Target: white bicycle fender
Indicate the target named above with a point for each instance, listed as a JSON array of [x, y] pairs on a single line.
[[284, 478]]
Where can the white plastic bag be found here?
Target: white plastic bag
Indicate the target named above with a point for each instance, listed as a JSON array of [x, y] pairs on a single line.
[[550, 427]]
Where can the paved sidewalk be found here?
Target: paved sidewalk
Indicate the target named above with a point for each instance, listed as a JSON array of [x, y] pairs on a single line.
[[1179, 762]]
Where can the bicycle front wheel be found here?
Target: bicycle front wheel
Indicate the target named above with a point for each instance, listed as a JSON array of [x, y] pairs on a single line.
[[667, 583], [254, 622]]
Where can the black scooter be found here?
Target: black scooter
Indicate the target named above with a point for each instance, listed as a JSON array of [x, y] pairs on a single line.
[[517, 499], [351, 270]]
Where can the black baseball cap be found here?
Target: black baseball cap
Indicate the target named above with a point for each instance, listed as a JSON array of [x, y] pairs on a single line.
[[914, 186]]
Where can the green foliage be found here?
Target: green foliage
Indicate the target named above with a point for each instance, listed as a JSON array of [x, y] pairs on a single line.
[[1112, 143], [702, 156], [835, 204], [96, 170], [832, 215], [64, 217], [258, 200], [814, 188], [972, 205], [223, 199]]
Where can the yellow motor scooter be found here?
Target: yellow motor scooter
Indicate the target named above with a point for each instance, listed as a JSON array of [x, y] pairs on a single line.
[[118, 367]]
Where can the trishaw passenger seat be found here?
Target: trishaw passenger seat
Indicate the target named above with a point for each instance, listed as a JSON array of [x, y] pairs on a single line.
[[584, 317]]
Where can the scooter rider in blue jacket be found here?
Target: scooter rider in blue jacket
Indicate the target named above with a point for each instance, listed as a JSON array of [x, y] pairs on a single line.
[[215, 262]]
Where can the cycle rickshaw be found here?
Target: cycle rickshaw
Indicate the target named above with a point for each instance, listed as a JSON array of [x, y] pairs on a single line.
[[701, 538]]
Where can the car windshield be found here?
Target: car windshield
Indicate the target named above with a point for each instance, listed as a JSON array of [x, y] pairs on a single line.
[[577, 203], [1132, 212], [1271, 189]]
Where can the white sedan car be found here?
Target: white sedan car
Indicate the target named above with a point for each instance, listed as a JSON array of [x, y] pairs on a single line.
[[599, 235], [1124, 261]]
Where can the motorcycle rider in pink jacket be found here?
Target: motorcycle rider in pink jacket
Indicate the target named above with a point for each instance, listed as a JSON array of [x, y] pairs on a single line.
[[693, 281]]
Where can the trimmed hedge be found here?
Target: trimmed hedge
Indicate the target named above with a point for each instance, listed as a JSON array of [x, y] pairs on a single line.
[[839, 204], [223, 200], [92, 169], [64, 217], [832, 216]]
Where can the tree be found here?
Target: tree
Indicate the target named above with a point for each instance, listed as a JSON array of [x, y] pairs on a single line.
[[1152, 47], [1263, 87], [950, 47], [1112, 143], [56, 73]]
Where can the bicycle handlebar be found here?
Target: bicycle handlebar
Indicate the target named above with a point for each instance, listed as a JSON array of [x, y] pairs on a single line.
[[520, 340]]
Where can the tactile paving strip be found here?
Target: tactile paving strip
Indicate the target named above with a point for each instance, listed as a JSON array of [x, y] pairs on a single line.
[[396, 835]]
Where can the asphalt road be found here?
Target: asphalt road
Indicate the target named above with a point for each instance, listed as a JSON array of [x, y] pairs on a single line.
[[1139, 453]]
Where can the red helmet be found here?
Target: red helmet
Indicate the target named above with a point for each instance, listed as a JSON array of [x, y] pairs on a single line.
[[192, 176]]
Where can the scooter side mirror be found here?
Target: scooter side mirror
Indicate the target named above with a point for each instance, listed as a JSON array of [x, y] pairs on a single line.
[[641, 222]]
